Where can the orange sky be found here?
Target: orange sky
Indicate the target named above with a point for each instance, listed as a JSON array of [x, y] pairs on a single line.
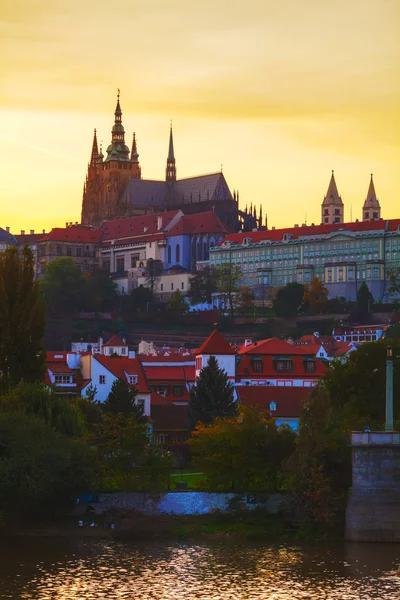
[[279, 93]]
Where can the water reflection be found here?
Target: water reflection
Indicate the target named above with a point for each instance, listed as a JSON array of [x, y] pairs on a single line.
[[92, 570]]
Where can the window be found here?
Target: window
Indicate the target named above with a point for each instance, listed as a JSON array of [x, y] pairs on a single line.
[[177, 254], [309, 366], [59, 250], [123, 350], [376, 274], [172, 286], [326, 212], [340, 273], [69, 251], [169, 254], [337, 211], [111, 351], [79, 251], [102, 379], [120, 265], [182, 286], [177, 390], [132, 379], [62, 379], [367, 215], [272, 406], [162, 287], [283, 365], [257, 365]]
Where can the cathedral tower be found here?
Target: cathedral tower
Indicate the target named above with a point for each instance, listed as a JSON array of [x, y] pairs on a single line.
[[171, 167], [371, 209], [332, 208], [107, 178]]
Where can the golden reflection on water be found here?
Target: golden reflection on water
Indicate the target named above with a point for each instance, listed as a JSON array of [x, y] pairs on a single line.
[[93, 570]]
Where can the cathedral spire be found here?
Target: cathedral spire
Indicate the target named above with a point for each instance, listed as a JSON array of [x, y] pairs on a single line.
[[95, 151], [171, 168], [134, 153], [371, 208], [117, 150]]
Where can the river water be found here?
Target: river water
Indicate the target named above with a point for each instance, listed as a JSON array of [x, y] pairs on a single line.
[[85, 569]]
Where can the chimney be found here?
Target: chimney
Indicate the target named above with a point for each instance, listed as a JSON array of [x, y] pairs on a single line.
[[32, 231], [43, 231], [66, 224], [8, 229], [159, 223], [296, 224], [22, 231], [273, 227]]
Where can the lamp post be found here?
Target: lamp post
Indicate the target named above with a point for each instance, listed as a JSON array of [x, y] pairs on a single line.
[[389, 389]]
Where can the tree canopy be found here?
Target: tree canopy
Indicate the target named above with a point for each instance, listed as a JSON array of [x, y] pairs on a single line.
[[203, 284], [229, 278], [364, 302], [177, 303], [242, 453], [288, 299], [316, 296], [22, 320], [122, 400], [212, 395]]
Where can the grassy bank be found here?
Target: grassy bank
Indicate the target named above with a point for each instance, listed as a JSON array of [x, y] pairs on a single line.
[[130, 525]]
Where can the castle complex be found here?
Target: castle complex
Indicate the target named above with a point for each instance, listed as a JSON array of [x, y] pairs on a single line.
[[114, 187]]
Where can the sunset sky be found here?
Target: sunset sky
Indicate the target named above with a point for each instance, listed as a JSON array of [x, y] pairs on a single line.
[[279, 93]]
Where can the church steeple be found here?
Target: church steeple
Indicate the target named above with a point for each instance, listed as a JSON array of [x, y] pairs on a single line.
[[95, 151], [117, 150], [134, 153], [332, 207], [171, 168], [371, 208]]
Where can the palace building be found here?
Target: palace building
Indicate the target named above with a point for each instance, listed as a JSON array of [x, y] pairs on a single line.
[[114, 187]]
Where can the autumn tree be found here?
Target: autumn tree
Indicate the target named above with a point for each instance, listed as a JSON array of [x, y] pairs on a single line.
[[245, 298], [22, 320], [212, 395], [394, 281], [203, 284], [229, 278], [315, 296], [242, 453]]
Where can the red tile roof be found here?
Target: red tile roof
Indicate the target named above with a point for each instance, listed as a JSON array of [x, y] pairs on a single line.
[[120, 366], [206, 222], [288, 399], [165, 373], [245, 368], [276, 235], [115, 341], [132, 227], [76, 233], [59, 367], [29, 238], [273, 346], [169, 417], [165, 357], [216, 344]]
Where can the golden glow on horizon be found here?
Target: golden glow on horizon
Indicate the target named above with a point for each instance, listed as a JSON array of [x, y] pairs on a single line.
[[279, 93]]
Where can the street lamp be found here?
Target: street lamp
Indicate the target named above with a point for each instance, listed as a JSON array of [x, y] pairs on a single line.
[[389, 389]]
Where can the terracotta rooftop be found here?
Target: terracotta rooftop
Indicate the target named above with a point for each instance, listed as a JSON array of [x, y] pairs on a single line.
[[123, 366], [132, 227], [199, 223], [75, 233], [216, 344], [288, 400], [115, 341]]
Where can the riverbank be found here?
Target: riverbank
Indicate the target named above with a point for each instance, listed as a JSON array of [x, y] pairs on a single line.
[[131, 525]]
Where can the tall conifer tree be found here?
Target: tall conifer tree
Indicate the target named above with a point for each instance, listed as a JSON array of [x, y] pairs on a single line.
[[212, 395], [22, 320]]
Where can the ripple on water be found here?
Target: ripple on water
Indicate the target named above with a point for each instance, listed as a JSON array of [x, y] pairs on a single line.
[[93, 570]]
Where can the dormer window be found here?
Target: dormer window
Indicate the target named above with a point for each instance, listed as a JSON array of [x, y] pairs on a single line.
[[246, 241], [287, 237], [132, 379], [62, 379], [272, 406], [226, 244]]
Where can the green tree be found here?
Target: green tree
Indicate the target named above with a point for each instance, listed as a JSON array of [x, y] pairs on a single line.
[[321, 463], [212, 395], [22, 320], [394, 281], [64, 287], [122, 401], [229, 278], [177, 303], [316, 296], [154, 270], [203, 284], [289, 299], [56, 411], [40, 469], [100, 293], [364, 302], [242, 453]]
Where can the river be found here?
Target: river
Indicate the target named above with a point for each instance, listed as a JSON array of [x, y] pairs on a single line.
[[86, 569]]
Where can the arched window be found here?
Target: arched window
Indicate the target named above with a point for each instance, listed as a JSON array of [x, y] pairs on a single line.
[[205, 253], [177, 254], [169, 254]]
